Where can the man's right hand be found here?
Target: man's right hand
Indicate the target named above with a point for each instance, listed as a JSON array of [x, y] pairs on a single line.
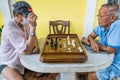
[[95, 47], [32, 20]]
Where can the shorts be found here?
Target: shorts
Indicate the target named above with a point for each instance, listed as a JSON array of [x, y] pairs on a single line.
[[2, 67], [108, 73]]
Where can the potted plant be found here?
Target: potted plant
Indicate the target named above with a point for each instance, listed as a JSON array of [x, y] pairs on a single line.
[[1, 31]]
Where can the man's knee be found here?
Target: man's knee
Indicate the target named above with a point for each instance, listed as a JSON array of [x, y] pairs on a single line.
[[11, 74], [92, 76]]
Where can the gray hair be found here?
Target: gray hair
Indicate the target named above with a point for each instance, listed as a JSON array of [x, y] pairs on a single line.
[[113, 8]]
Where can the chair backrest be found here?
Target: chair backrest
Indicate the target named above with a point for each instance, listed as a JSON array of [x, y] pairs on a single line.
[[59, 27]]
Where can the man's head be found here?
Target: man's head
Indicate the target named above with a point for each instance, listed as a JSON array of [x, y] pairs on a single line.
[[107, 14], [21, 9]]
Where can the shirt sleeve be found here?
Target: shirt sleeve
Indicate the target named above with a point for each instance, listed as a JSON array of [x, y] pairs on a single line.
[[17, 40], [114, 36], [97, 30]]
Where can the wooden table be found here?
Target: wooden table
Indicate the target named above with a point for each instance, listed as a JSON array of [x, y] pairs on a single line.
[[95, 62]]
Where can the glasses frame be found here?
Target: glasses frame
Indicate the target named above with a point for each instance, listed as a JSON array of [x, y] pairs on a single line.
[[102, 16]]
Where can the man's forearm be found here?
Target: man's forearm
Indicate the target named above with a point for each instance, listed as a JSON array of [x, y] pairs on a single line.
[[91, 39], [106, 49], [30, 44], [31, 41]]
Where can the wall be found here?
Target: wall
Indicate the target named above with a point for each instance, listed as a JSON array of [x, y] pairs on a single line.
[[89, 17], [59, 9], [1, 19], [81, 13], [99, 3]]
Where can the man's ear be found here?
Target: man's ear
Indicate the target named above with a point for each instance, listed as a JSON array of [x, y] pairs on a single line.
[[16, 14], [113, 18]]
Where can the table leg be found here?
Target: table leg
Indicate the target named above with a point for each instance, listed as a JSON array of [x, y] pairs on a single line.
[[68, 76]]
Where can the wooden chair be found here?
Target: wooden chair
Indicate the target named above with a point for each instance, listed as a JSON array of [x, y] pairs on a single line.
[[59, 27]]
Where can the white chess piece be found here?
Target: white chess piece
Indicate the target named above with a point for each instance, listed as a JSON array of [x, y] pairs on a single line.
[[73, 43], [68, 42], [68, 48], [80, 49], [68, 38]]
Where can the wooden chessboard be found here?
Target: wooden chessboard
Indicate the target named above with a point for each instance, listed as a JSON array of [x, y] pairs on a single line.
[[63, 48]]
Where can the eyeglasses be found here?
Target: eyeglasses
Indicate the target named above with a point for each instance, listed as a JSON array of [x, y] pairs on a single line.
[[102, 16]]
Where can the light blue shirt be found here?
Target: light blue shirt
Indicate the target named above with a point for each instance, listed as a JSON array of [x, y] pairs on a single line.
[[111, 38]]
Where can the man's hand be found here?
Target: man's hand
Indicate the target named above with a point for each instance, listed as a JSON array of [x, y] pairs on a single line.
[[32, 20], [36, 49], [95, 47]]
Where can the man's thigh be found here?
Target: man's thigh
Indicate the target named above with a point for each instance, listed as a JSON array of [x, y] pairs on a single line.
[[108, 73], [11, 74]]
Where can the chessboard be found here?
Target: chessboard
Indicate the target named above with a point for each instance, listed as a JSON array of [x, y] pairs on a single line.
[[63, 48]]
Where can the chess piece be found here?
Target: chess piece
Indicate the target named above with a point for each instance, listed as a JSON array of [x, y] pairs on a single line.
[[60, 45], [51, 42], [47, 42], [80, 49], [68, 40], [68, 37], [68, 43], [59, 38], [73, 43], [56, 44], [48, 37]]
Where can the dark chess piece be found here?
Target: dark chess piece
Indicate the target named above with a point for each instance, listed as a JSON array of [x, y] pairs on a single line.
[[51, 42], [47, 42], [60, 45], [56, 44], [48, 37], [59, 38]]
